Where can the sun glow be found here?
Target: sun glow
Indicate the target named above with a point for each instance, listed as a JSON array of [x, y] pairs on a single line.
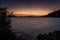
[[31, 12]]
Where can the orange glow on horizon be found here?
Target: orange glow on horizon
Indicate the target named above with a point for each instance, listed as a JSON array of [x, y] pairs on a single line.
[[31, 12]]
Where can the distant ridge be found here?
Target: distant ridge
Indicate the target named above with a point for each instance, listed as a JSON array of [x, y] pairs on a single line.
[[54, 14]]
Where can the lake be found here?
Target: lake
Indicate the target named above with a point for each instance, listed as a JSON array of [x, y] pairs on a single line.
[[35, 26]]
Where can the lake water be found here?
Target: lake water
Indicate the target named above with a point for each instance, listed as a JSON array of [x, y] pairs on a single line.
[[35, 26]]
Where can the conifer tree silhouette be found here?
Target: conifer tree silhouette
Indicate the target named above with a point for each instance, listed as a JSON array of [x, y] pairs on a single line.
[[5, 26]]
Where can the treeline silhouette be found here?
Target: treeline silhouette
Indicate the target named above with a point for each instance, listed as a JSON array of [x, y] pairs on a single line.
[[5, 26], [50, 36]]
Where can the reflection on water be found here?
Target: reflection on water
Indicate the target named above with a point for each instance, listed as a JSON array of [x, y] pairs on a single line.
[[34, 26]]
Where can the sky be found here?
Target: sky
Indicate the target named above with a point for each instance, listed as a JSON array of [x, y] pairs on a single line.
[[31, 7]]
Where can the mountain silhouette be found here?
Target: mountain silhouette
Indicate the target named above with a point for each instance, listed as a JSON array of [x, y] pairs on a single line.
[[53, 14]]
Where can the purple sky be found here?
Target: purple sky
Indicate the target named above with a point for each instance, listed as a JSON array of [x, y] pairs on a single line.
[[32, 5]]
